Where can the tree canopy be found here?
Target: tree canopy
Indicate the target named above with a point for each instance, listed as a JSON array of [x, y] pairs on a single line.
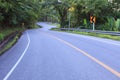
[[17, 12]]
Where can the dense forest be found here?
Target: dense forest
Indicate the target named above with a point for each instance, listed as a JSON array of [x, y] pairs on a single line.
[[78, 12], [18, 13], [15, 13]]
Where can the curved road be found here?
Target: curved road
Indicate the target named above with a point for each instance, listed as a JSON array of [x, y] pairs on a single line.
[[41, 54]]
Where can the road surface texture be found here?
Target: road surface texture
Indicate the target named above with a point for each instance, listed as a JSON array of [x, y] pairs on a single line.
[[41, 54]]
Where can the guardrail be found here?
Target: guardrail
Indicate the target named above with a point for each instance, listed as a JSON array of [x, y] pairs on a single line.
[[95, 31]]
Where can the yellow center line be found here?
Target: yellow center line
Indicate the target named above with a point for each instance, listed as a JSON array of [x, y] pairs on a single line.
[[88, 55]]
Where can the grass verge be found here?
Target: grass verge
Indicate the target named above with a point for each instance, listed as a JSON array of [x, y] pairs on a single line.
[[97, 35], [92, 34], [7, 31], [5, 34], [9, 44]]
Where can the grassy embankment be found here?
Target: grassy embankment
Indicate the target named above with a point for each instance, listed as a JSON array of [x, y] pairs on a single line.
[[5, 33], [91, 34], [97, 35]]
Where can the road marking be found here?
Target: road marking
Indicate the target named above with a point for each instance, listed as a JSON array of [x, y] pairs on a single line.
[[108, 41], [104, 41], [88, 55], [13, 68]]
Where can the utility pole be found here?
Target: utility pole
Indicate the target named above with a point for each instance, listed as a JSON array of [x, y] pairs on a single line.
[[69, 20]]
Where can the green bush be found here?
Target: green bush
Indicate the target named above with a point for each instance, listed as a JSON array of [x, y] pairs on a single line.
[[118, 24], [1, 36]]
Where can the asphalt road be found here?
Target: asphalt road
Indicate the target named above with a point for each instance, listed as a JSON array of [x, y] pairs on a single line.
[[41, 54]]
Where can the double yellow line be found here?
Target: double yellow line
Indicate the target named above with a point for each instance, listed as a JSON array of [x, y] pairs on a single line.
[[88, 55]]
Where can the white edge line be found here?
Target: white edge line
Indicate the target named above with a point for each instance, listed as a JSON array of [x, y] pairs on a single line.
[[99, 39], [16, 64]]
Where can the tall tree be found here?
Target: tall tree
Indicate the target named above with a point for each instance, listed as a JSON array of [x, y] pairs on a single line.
[[16, 12], [62, 9]]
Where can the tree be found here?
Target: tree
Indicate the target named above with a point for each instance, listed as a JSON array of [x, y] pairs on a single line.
[[16, 12], [61, 9]]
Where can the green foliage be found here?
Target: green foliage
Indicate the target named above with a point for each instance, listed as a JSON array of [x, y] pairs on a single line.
[[101, 9], [111, 23], [97, 35], [27, 12], [1, 36], [58, 10], [16, 12], [5, 32], [10, 44], [118, 24]]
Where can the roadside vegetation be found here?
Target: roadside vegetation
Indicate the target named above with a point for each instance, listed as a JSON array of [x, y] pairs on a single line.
[[19, 15], [97, 35], [15, 17], [76, 13], [107, 36], [8, 37], [68, 13], [7, 31], [9, 44]]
